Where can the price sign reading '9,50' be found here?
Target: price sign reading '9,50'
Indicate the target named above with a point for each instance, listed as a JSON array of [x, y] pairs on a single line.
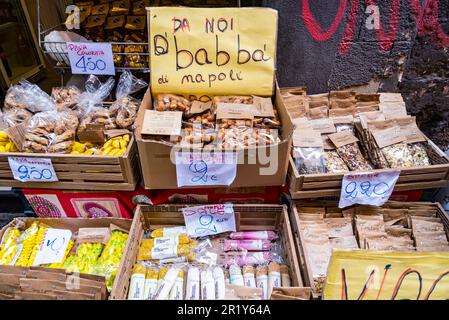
[[369, 188], [32, 169], [91, 58]]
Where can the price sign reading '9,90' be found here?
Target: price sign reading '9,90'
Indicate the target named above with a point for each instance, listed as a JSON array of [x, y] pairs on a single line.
[[368, 188], [91, 58]]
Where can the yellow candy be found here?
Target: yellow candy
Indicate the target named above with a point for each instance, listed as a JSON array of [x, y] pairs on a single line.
[[2, 149], [79, 147], [106, 151], [27, 239], [8, 146], [75, 152], [3, 135], [38, 241], [89, 152], [107, 144], [121, 152], [114, 152], [126, 137], [14, 148], [123, 144], [116, 144]]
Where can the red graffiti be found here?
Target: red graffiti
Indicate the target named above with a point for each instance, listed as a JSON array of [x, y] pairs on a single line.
[[315, 29], [427, 23]]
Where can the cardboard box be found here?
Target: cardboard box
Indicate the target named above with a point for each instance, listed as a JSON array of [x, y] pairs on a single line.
[[248, 217], [160, 173], [46, 283], [331, 207]]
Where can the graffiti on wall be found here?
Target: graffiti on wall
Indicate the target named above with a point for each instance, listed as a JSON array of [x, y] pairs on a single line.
[[426, 17]]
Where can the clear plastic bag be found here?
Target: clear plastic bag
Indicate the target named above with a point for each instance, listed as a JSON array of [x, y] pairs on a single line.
[[419, 154], [351, 155], [398, 156], [125, 107], [309, 160], [66, 98], [334, 164], [95, 93], [14, 117], [171, 102], [26, 95]]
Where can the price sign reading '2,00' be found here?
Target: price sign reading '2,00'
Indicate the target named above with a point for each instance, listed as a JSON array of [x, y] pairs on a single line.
[[369, 188], [91, 58], [209, 219]]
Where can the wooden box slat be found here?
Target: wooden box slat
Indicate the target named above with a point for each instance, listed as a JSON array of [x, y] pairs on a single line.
[[81, 172]]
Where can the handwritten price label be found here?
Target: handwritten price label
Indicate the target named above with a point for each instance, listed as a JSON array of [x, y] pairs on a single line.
[[367, 188], [209, 220], [32, 169], [91, 58], [206, 169], [53, 246]]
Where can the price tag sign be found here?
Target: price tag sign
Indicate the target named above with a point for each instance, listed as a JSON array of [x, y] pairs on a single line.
[[206, 169], [32, 169], [209, 219], [53, 246], [369, 188], [91, 58]]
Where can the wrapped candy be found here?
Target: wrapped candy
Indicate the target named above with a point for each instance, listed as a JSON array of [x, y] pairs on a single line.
[[39, 237], [85, 259], [111, 256], [9, 247], [27, 241]]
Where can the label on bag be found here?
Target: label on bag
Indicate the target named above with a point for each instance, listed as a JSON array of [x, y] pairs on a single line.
[[209, 219], [368, 188], [32, 169], [206, 169], [91, 58], [53, 246], [164, 252]]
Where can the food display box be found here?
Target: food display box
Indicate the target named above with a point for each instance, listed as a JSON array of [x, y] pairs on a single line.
[[329, 184], [248, 218], [81, 172], [331, 207], [159, 172], [31, 283]]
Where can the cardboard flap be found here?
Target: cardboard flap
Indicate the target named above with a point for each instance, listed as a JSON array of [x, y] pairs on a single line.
[[162, 123]]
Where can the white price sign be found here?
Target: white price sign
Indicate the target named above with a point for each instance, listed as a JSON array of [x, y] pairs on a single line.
[[209, 219], [53, 246], [32, 169], [206, 169], [368, 188], [91, 58]]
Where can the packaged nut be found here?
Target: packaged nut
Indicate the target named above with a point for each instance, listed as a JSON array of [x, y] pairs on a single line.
[[348, 150], [200, 113], [235, 115], [233, 99]]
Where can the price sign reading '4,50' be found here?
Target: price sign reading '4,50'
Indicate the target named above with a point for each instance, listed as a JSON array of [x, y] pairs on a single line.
[[369, 188], [32, 169], [209, 219], [91, 58]]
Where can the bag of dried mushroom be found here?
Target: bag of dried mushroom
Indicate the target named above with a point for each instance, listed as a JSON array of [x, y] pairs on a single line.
[[90, 105], [125, 107], [308, 152], [348, 150]]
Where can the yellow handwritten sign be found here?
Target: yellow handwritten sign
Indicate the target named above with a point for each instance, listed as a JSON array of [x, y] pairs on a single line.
[[372, 275], [213, 51]]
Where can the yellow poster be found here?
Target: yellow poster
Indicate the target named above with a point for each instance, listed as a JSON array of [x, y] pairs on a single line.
[[213, 51], [379, 275]]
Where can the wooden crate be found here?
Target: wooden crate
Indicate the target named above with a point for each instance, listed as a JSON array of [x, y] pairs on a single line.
[[81, 172], [31, 282], [332, 206], [329, 184], [248, 217]]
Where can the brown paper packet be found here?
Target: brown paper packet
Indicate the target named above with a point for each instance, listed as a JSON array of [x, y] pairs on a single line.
[[292, 293]]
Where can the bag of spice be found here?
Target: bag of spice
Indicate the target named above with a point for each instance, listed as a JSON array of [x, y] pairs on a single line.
[[343, 100], [334, 164], [318, 106], [343, 123], [348, 150], [416, 141], [308, 152], [392, 144]]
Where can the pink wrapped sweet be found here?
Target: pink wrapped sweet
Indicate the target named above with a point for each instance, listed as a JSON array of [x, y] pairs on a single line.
[[248, 245], [253, 235], [249, 258]]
